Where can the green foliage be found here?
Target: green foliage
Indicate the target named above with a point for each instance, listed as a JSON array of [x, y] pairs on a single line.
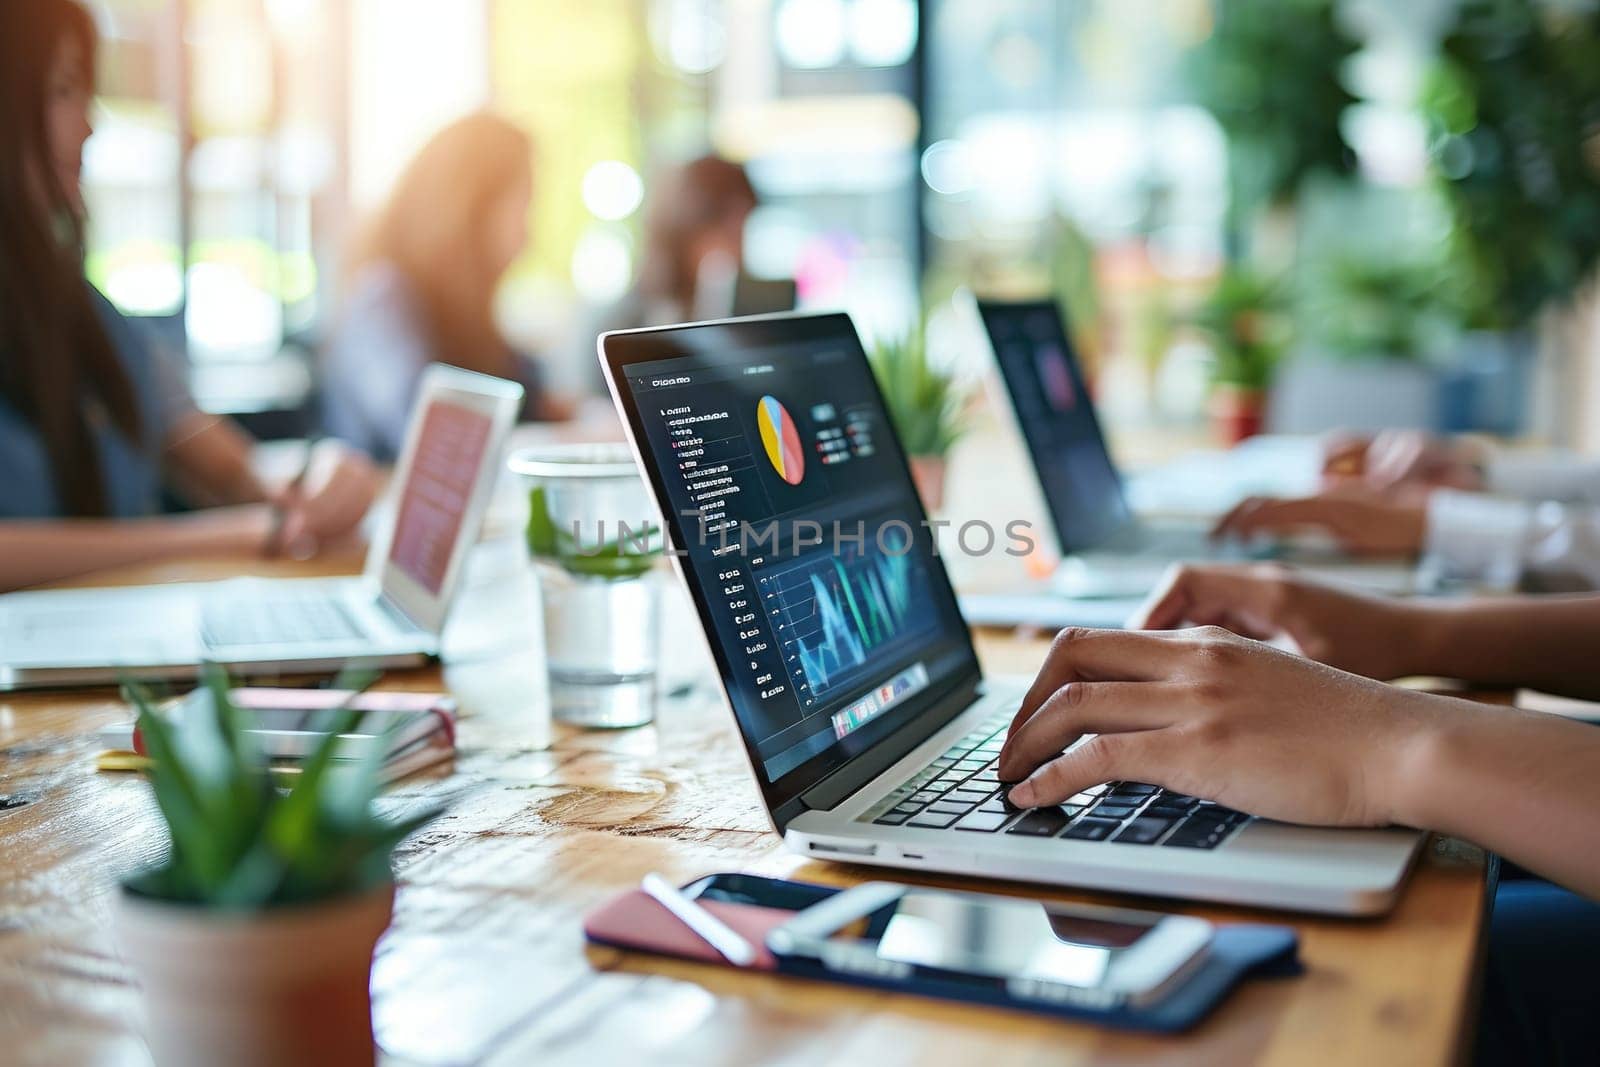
[[1513, 106], [1244, 320], [239, 843], [1271, 74], [621, 557], [924, 402], [1366, 308], [1072, 275]]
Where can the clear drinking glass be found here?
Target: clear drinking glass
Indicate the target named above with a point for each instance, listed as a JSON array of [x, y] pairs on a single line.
[[595, 537]]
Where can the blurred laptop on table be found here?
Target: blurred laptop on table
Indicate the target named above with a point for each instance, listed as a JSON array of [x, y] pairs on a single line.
[[390, 616], [1108, 551]]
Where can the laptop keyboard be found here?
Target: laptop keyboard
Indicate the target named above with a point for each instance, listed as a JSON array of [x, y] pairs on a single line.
[[276, 621], [961, 790]]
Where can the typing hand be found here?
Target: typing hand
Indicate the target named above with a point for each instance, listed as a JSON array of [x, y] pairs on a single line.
[[1354, 632], [1361, 521], [1214, 715], [1395, 460], [328, 504]]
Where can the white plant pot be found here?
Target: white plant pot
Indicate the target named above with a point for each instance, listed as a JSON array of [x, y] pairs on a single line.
[[286, 986]]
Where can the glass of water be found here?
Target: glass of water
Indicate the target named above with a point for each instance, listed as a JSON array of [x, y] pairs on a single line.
[[595, 537]]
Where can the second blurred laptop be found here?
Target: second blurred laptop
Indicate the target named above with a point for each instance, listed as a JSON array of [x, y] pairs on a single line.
[[390, 616], [1107, 551]]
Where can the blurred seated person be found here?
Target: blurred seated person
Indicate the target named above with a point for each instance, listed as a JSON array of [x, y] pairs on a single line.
[[693, 250], [1483, 514], [94, 424], [422, 285]]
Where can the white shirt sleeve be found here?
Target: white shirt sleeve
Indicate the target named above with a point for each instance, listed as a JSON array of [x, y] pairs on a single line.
[[1503, 542], [1543, 476]]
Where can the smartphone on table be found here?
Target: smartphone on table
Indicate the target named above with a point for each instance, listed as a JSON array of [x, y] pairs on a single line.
[[1093, 957]]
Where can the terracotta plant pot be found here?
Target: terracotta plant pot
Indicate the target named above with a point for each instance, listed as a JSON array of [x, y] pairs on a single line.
[[927, 472], [289, 985], [1237, 412]]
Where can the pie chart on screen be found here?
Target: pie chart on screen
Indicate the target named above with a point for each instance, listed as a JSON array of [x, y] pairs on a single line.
[[781, 439]]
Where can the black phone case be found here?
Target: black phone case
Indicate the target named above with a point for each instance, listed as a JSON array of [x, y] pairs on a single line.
[[1238, 951]]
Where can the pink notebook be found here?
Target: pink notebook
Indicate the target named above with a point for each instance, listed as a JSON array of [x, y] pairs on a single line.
[[635, 920]]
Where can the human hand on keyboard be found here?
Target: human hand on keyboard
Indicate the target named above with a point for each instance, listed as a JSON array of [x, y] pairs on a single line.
[[1213, 715], [1396, 460], [1361, 521], [1368, 635]]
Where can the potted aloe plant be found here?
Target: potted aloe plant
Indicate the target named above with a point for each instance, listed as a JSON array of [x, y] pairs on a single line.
[[926, 404], [254, 937]]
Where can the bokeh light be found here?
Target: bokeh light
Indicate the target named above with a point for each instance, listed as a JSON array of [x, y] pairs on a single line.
[[612, 190]]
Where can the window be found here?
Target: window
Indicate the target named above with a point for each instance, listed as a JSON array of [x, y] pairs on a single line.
[[215, 184]]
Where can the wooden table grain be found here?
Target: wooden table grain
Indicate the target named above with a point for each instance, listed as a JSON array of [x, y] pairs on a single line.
[[486, 963]]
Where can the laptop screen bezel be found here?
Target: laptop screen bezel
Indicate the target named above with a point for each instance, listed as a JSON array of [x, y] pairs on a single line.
[[981, 307], [619, 350], [500, 401]]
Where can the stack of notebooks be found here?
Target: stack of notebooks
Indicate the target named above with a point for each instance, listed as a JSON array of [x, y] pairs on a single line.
[[417, 730]]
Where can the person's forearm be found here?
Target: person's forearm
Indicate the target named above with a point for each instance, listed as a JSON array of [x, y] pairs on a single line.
[[1520, 783], [1545, 643], [210, 460], [32, 552]]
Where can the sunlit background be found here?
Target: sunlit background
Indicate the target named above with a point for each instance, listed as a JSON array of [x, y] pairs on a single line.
[[1329, 161]]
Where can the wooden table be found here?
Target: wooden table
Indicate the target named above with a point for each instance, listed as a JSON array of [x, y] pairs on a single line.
[[486, 964]]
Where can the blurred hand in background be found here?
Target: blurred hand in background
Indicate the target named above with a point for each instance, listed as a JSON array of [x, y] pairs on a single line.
[[327, 506], [1362, 520], [1397, 460], [1355, 632]]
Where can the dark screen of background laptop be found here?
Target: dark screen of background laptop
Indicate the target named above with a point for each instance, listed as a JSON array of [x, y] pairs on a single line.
[[1041, 373]]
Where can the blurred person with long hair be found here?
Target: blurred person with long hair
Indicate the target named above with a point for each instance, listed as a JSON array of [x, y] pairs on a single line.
[[95, 425], [693, 241], [693, 250], [423, 279]]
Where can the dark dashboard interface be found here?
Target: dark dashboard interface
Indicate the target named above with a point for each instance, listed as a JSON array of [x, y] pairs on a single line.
[[800, 533], [1057, 418]]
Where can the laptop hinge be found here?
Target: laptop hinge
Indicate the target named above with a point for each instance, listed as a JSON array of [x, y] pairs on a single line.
[[398, 615], [847, 780], [787, 812]]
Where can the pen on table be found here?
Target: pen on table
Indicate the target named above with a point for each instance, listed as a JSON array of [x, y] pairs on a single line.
[[712, 930], [280, 512]]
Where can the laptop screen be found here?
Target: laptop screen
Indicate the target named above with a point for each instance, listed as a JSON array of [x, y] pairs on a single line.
[[800, 534], [439, 487], [1056, 415]]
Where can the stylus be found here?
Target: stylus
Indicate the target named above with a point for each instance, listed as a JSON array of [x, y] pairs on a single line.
[[716, 933], [280, 511]]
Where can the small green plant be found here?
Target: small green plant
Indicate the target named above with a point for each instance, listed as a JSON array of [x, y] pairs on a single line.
[[239, 841], [628, 555], [925, 403], [1243, 317]]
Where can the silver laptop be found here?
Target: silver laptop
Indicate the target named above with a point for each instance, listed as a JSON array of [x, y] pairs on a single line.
[[392, 615], [846, 662], [1107, 551]]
